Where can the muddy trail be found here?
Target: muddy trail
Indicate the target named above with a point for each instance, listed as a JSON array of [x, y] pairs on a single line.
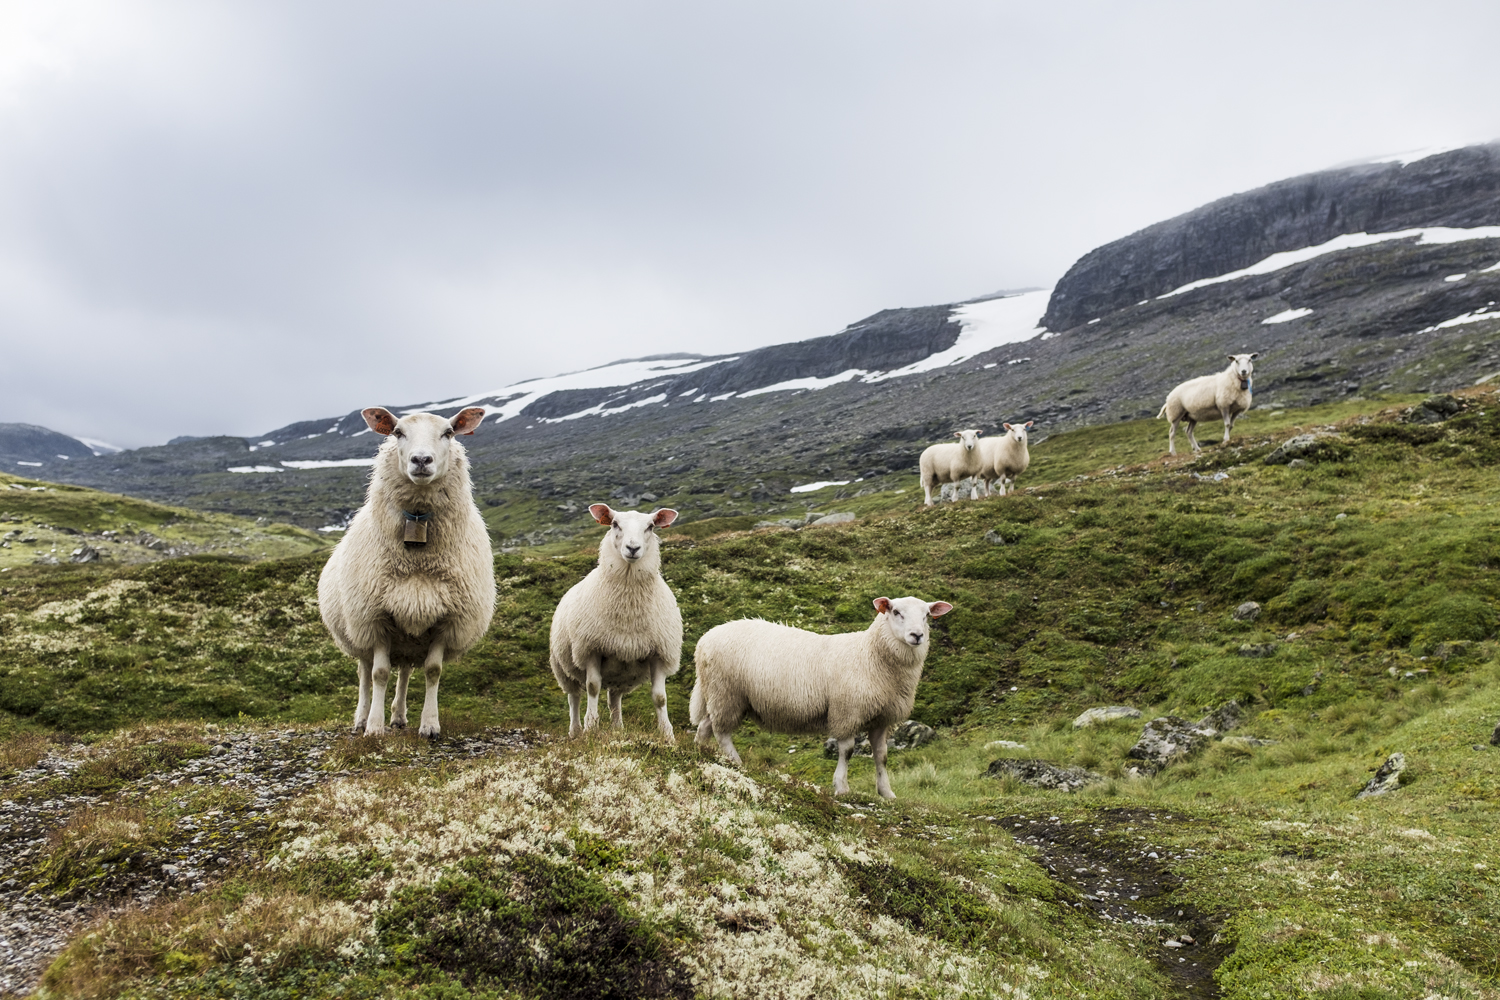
[[1125, 876], [53, 881]]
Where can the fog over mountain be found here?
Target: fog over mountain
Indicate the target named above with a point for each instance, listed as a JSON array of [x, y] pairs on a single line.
[[213, 217]]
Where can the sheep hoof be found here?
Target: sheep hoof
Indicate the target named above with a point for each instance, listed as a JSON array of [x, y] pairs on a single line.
[[400, 724], [429, 732]]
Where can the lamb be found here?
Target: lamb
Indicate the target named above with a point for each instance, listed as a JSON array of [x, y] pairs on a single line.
[[619, 627], [1004, 458], [413, 579], [791, 681], [951, 463], [1226, 395]]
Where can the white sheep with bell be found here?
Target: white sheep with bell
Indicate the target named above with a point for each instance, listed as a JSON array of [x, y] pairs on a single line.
[[1224, 395], [798, 682], [1003, 458], [619, 627], [951, 463], [413, 579]]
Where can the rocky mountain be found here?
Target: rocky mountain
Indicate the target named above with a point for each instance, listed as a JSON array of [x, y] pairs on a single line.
[[1382, 277], [27, 445]]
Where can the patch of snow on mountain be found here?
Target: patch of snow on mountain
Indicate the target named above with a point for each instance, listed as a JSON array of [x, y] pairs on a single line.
[[1286, 316], [100, 447], [512, 399], [1431, 236], [603, 410], [253, 468], [810, 487], [1495, 267], [808, 383], [327, 463], [984, 327], [1477, 316], [1408, 158]]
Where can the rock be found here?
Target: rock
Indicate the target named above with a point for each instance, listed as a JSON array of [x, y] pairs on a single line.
[[1450, 650], [781, 522], [45, 560], [1043, 774], [1247, 612], [1297, 463], [993, 537], [1257, 650], [841, 518], [1495, 736], [1320, 446], [1432, 410], [1004, 745], [1168, 739], [906, 735], [85, 554], [1387, 778], [1107, 714]]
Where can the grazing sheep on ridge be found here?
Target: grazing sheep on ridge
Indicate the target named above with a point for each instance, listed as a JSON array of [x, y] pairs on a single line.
[[791, 681], [1005, 457], [413, 579], [951, 463], [619, 627], [1209, 397]]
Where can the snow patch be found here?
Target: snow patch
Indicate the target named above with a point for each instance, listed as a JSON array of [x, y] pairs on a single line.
[[1286, 316], [1430, 236], [253, 468], [603, 410], [1495, 267], [984, 326], [1412, 156], [100, 447], [327, 463], [1477, 316], [34, 465], [1455, 277], [810, 487], [812, 382]]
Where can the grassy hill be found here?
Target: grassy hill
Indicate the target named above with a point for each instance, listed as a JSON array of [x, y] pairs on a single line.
[[1111, 578]]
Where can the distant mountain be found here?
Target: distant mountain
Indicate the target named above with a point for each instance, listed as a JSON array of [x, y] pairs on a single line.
[[27, 446], [1377, 277]]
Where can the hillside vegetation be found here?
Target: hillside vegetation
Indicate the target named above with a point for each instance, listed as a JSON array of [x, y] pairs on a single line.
[[639, 869]]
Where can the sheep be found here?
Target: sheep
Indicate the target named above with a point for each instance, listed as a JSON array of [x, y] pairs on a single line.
[[1005, 457], [951, 463], [1226, 395], [799, 682], [619, 627], [413, 579]]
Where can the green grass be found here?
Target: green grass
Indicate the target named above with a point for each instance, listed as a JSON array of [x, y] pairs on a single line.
[[1379, 579]]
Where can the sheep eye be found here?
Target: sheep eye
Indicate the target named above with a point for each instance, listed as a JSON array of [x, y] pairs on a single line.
[[397, 433], [895, 612]]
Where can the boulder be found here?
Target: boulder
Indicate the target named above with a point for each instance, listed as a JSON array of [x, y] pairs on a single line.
[[84, 554], [994, 537], [906, 735], [1004, 745], [1043, 774], [1322, 446], [1224, 718], [1105, 714], [1433, 409], [1257, 649], [1247, 612], [842, 518], [1387, 778], [1168, 739]]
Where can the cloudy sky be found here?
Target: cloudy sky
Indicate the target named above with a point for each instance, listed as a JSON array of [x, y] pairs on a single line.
[[222, 217]]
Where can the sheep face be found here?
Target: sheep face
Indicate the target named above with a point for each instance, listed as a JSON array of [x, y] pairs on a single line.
[[1017, 432], [424, 441], [908, 617], [1243, 367], [968, 438], [632, 533]]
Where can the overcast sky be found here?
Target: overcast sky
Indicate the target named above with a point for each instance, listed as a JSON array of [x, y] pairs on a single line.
[[222, 217]]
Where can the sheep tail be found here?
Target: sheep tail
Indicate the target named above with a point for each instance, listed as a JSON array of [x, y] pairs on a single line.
[[696, 710], [1163, 412]]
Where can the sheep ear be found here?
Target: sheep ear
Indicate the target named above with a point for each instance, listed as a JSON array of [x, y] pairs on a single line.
[[379, 419], [602, 513], [1006, 426], [465, 420], [958, 434], [1030, 424], [663, 516], [939, 608], [882, 604], [1231, 357], [1255, 355]]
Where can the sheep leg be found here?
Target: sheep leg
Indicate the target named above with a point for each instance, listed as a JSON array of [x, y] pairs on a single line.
[[726, 745], [1228, 425], [927, 491], [574, 728], [362, 710], [616, 720], [841, 773], [593, 681], [659, 698], [882, 779], [1192, 426], [432, 674], [973, 488], [398, 700], [380, 675], [705, 737], [1171, 437]]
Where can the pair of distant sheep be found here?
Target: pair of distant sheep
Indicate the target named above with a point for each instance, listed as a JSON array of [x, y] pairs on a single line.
[[412, 581], [1223, 395]]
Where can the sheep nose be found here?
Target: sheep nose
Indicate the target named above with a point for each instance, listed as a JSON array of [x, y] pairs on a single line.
[[631, 551], [421, 461], [916, 638]]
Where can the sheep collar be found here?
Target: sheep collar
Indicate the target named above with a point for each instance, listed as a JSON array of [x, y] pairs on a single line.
[[416, 528]]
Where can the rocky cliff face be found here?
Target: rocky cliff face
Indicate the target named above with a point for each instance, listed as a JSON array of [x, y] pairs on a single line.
[[1460, 188], [30, 443]]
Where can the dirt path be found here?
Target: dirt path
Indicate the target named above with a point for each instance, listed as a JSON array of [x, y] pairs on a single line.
[[1126, 877]]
